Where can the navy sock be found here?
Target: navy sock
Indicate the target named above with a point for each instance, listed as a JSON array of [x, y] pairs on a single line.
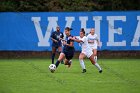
[[57, 63], [53, 55]]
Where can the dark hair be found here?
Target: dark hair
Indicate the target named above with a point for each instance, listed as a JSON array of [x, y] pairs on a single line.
[[82, 30], [68, 28]]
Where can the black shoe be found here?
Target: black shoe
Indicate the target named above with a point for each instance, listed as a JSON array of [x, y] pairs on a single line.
[[100, 71], [84, 71]]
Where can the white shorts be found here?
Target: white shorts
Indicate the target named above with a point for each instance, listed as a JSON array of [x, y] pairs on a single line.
[[93, 47], [88, 53]]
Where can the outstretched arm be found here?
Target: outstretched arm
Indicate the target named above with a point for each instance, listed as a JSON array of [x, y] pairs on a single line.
[[70, 45], [76, 40]]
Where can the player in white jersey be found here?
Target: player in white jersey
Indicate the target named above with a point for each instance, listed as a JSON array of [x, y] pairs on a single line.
[[86, 51], [93, 42]]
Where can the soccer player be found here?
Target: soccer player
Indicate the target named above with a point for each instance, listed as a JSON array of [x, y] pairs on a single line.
[[86, 51], [93, 42], [56, 37], [68, 49]]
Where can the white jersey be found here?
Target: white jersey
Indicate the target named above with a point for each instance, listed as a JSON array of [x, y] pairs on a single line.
[[94, 39], [85, 47]]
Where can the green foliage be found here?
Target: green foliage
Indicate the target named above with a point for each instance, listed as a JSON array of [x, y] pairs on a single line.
[[69, 5]]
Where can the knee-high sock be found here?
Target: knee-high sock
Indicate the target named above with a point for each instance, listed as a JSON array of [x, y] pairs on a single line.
[[82, 64], [57, 63], [95, 58], [53, 56], [98, 66]]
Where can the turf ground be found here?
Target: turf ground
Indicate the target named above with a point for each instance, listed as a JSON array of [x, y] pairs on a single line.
[[33, 76]]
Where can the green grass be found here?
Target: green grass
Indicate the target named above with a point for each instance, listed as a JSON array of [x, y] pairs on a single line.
[[33, 76]]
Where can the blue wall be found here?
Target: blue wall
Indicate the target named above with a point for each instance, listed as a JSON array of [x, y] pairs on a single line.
[[31, 31]]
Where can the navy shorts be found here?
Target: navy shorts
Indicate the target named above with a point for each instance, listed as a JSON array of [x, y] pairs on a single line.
[[56, 45], [68, 54]]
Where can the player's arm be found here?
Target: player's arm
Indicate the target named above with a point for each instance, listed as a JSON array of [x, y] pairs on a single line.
[[98, 42], [70, 45], [52, 38], [76, 40], [61, 36]]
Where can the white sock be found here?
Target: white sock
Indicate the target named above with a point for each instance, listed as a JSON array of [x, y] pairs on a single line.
[[82, 64], [95, 58], [70, 61], [98, 66]]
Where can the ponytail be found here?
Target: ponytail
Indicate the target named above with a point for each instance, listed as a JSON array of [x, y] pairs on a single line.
[[82, 30]]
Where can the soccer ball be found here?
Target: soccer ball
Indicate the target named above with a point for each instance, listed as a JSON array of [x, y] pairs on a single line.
[[52, 68]]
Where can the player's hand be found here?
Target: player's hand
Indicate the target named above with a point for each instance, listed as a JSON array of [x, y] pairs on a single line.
[[72, 38], [60, 38], [55, 41], [64, 43], [99, 45]]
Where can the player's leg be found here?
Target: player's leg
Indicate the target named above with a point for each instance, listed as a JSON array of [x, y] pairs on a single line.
[[95, 63], [53, 54], [61, 57], [69, 63], [68, 60], [95, 54], [59, 51], [69, 55], [81, 57]]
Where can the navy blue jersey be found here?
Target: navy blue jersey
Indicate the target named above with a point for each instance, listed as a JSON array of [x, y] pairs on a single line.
[[57, 35], [68, 48]]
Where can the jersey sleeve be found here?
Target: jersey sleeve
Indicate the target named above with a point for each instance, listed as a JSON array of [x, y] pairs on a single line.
[[62, 35], [71, 40], [52, 35], [96, 37], [83, 39]]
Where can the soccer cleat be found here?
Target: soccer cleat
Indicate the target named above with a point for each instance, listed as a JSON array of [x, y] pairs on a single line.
[[70, 62], [100, 71], [84, 71]]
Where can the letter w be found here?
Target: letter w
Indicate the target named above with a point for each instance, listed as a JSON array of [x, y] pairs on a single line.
[[44, 41]]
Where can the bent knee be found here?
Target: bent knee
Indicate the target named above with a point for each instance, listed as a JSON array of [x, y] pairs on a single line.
[[80, 58]]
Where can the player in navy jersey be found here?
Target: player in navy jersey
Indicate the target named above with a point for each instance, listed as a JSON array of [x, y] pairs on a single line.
[[68, 49], [56, 37]]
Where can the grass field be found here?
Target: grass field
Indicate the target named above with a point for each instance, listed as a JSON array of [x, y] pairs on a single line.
[[33, 76]]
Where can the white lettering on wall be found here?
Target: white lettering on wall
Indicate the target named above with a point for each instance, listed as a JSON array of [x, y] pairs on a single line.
[[136, 38], [112, 31], [52, 23], [97, 20]]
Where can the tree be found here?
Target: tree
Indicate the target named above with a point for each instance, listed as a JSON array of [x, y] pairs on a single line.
[[69, 5]]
